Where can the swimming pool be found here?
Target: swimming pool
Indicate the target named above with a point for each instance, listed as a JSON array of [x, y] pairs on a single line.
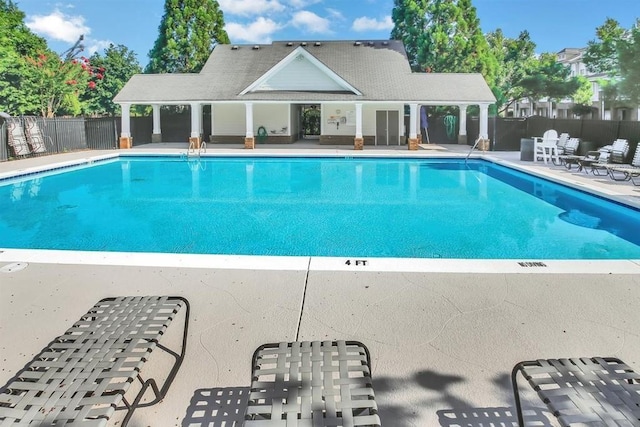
[[341, 207]]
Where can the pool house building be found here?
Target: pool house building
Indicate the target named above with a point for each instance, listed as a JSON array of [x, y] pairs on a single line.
[[335, 92]]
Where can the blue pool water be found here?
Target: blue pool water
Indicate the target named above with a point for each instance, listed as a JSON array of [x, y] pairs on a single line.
[[414, 208]]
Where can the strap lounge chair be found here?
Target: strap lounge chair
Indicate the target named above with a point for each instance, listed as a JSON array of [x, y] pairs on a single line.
[[562, 142], [626, 172], [618, 152], [569, 158], [82, 377], [546, 146], [317, 383], [34, 135], [17, 139], [597, 391]]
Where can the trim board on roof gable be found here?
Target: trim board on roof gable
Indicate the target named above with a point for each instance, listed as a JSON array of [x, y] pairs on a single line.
[[317, 76]]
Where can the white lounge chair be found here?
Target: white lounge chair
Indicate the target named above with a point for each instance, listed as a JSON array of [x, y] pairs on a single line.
[[546, 146], [17, 139], [35, 138], [626, 172], [617, 153], [562, 142]]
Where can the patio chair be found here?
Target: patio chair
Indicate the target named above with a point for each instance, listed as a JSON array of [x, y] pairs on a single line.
[[590, 158], [595, 391], [82, 377], [562, 142], [319, 383], [17, 139], [569, 157], [35, 138], [626, 172], [617, 153], [546, 146]]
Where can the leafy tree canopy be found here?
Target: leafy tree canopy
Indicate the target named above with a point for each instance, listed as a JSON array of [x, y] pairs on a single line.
[[549, 79], [616, 53], [443, 36], [517, 60], [115, 67], [188, 31], [16, 42]]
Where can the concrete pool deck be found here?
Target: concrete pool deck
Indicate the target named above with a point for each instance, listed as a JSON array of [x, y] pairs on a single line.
[[442, 342]]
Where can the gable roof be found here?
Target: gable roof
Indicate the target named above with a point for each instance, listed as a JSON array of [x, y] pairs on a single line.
[[376, 70], [314, 72]]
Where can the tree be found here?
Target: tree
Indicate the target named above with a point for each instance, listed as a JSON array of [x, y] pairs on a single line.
[[602, 56], [582, 97], [549, 79], [188, 32], [16, 42], [629, 60], [517, 60], [616, 53], [410, 20], [114, 69], [443, 36], [56, 83]]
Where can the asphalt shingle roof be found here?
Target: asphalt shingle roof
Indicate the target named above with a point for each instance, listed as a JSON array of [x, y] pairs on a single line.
[[379, 70]]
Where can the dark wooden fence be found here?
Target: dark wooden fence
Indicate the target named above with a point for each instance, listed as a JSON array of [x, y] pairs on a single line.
[[506, 133], [62, 134], [70, 134]]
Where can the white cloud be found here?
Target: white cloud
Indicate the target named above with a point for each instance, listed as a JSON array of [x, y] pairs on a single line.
[[371, 24], [259, 31], [58, 26], [335, 14], [250, 7], [301, 4], [94, 46], [310, 22]]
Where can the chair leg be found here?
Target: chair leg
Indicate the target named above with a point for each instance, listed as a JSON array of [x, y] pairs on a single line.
[[516, 394]]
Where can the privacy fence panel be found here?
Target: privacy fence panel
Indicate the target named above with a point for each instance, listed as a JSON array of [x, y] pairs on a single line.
[[102, 133], [68, 133]]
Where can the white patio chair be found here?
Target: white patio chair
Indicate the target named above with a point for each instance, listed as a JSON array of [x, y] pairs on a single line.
[[546, 146]]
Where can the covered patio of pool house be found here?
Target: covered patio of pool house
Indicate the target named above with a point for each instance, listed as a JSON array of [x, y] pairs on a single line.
[[336, 92]]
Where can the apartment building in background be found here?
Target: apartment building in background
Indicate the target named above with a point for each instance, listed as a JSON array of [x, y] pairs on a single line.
[[573, 58]]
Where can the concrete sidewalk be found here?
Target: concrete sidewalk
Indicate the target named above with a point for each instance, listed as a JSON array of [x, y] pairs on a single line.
[[442, 344]]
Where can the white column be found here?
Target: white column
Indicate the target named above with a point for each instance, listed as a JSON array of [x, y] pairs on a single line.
[[156, 119], [484, 120], [126, 120], [413, 121], [358, 120], [249, 119], [196, 119], [212, 122], [463, 120]]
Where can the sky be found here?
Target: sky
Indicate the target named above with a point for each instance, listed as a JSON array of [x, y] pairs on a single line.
[[552, 24]]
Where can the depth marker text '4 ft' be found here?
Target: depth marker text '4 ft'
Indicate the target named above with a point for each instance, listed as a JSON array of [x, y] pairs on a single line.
[[359, 262]]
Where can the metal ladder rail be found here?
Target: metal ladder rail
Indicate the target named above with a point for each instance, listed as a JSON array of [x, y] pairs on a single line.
[[192, 148], [480, 138]]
